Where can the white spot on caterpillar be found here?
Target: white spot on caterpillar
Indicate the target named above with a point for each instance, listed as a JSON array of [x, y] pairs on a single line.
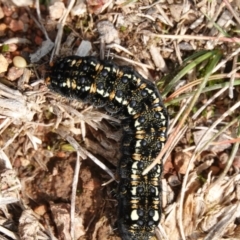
[[134, 216], [67, 83], [131, 110], [134, 168], [156, 216], [156, 190], [108, 69], [128, 76], [119, 99], [86, 88], [137, 124], [138, 144], [148, 90], [64, 84], [134, 191], [72, 62], [93, 63], [101, 92]]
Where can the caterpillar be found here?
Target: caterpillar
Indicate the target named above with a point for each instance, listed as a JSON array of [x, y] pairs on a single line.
[[124, 93]]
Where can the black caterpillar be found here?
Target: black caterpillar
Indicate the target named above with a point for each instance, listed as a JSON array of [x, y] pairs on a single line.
[[136, 101]]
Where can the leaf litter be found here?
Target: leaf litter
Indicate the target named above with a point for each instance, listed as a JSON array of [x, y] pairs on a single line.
[[48, 142]]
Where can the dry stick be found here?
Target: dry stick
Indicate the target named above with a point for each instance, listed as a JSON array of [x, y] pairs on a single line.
[[164, 15], [233, 76], [133, 62], [233, 153], [50, 231], [174, 143], [9, 233], [229, 164], [145, 16], [234, 72], [218, 133], [227, 113], [232, 11], [39, 22], [150, 6], [73, 197], [60, 30], [190, 37], [228, 58], [182, 109], [119, 47], [208, 102], [15, 40], [9, 142], [235, 140], [178, 135], [74, 185]]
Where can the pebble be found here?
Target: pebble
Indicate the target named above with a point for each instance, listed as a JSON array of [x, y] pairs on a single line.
[[8, 11], [3, 28], [14, 73], [14, 15], [41, 210], [1, 13], [38, 40], [24, 17], [56, 10], [16, 25], [3, 64], [19, 62], [12, 47]]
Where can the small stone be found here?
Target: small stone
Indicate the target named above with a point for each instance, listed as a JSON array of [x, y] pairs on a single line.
[[7, 20], [19, 62], [16, 25], [14, 73], [8, 11], [56, 10], [24, 17], [12, 47], [181, 162], [176, 11], [107, 32], [3, 64], [1, 13], [3, 28], [40, 210], [24, 161], [38, 40], [14, 15], [174, 181], [215, 170]]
